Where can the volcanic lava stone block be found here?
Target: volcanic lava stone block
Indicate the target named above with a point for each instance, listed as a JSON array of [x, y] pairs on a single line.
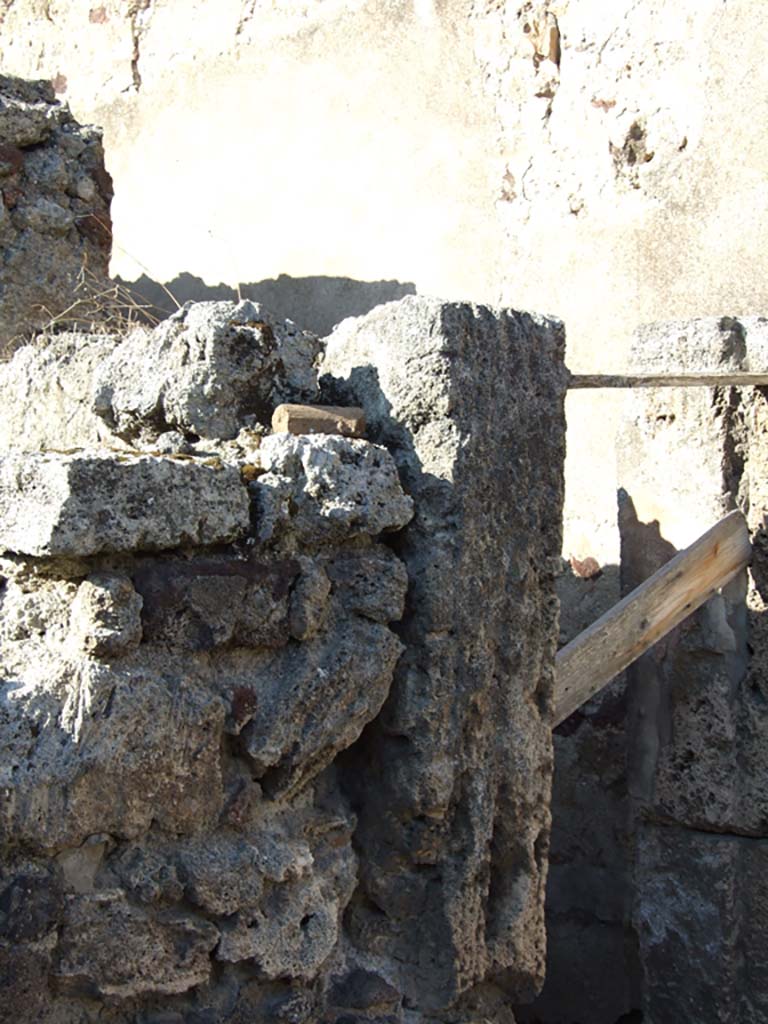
[[453, 836]]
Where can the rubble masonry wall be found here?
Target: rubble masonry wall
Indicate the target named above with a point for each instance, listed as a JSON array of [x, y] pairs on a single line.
[[274, 739]]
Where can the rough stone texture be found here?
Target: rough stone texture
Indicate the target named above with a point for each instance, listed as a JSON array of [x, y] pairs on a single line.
[[204, 768], [453, 888], [715, 924], [697, 720], [55, 195], [49, 386], [111, 948], [106, 616], [210, 370], [82, 504], [327, 487], [203, 370]]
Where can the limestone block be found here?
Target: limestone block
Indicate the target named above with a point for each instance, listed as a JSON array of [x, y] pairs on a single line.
[[56, 237], [470, 402], [326, 489], [121, 750], [80, 865], [120, 950], [203, 371], [106, 616], [81, 504], [319, 419]]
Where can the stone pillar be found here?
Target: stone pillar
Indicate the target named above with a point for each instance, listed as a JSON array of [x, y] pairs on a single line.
[[454, 830], [698, 760]]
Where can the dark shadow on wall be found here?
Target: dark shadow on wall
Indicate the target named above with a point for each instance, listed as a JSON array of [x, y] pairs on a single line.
[[315, 303], [593, 972]]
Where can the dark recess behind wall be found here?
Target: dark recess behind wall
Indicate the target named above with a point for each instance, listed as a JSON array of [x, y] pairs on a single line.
[[314, 303]]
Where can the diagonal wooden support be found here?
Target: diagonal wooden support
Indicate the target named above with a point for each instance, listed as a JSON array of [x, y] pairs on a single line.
[[608, 646]]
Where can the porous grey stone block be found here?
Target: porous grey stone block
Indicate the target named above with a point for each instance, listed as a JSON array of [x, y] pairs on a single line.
[[81, 504], [326, 488], [203, 371], [469, 400], [106, 616], [115, 752]]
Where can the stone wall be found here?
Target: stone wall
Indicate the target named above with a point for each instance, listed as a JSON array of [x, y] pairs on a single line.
[[697, 714], [654, 902], [55, 227], [274, 717]]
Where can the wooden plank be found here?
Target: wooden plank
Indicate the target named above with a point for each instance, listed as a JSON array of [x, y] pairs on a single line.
[[599, 653], [667, 380]]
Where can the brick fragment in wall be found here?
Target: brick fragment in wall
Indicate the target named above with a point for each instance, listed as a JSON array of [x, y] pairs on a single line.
[[55, 226], [319, 419], [469, 401]]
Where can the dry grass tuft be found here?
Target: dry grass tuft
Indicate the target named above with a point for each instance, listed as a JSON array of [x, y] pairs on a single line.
[[95, 309]]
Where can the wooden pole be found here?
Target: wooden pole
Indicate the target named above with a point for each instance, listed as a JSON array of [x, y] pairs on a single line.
[[606, 648], [679, 380]]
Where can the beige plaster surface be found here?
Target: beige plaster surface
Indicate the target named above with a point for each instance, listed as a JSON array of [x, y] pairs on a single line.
[[604, 162]]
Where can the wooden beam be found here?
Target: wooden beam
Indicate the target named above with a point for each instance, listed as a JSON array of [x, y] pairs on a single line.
[[667, 380], [606, 648]]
